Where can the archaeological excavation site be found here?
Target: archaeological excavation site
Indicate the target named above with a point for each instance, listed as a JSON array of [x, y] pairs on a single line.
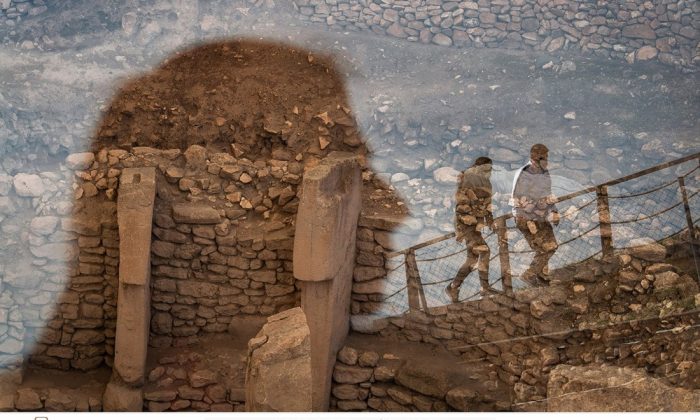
[[349, 205]]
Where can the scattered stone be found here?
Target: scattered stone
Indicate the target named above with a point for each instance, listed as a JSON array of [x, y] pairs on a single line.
[[28, 185], [446, 175], [278, 375], [80, 161], [666, 279]]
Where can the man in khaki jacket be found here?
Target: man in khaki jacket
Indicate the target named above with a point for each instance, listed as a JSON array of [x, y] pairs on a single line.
[[473, 211]]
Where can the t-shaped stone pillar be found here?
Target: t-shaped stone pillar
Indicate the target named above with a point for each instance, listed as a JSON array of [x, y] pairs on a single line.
[[137, 189], [324, 259]]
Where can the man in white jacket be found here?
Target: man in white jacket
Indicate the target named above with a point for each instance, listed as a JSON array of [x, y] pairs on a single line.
[[533, 204]]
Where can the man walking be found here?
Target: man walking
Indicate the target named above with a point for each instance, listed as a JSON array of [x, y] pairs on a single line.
[[472, 212], [533, 203]]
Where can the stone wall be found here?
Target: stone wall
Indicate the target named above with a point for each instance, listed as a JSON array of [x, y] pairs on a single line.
[[610, 311], [220, 253], [15, 10], [377, 236], [59, 269], [217, 251], [366, 380], [635, 30]]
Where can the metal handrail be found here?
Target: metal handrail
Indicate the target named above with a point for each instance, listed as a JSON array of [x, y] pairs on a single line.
[[566, 197], [604, 225]]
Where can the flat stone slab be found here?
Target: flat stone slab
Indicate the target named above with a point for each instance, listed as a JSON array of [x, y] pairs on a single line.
[[201, 214]]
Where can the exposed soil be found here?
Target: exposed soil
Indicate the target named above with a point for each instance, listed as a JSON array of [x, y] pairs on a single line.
[[260, 96], [95, 379], [270, 100]]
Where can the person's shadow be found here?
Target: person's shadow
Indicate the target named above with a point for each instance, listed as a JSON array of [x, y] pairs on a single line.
[[230, 125]]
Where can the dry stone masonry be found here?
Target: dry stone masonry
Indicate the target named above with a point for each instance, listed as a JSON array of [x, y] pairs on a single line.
[[61, 293], [598, 311], [637, 30], [374, 381]]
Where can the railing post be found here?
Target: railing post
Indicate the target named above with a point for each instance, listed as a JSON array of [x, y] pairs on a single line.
[[413, 283], [604, 220], [686, 206], [504, 255], [691, 227]]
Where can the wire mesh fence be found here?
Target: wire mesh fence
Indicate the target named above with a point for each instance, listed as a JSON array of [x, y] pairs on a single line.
[[650, 205]]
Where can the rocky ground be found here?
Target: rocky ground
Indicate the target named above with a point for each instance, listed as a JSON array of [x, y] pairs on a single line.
[[425, 111]]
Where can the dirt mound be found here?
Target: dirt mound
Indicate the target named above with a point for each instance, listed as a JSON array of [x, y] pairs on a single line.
[[258, 96]]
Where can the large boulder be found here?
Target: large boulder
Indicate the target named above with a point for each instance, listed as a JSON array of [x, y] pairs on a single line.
[[608, 388], [278, 375]]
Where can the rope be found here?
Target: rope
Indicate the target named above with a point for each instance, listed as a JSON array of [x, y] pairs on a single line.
[[691, 171], [572, 330], [444, 256], [652, 215], [660, 187]]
